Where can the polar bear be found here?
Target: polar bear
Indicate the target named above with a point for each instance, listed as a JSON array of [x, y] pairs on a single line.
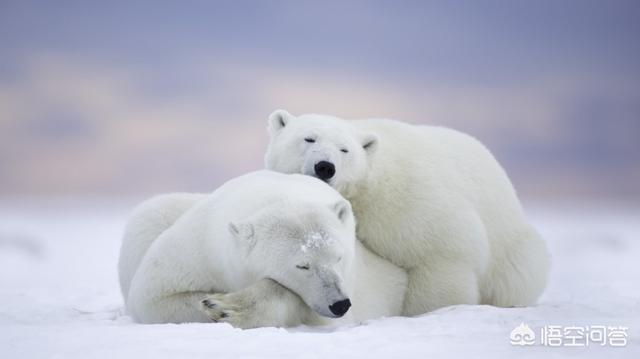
[[429, 199], [265, 249]]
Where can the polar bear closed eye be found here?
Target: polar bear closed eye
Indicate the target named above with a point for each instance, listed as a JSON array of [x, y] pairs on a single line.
[[430, 199], [265, 249]]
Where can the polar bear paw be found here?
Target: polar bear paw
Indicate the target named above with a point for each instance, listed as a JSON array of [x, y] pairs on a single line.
[[227, 308]]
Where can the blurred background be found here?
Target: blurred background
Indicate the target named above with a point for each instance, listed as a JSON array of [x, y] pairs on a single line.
[[125, 99]]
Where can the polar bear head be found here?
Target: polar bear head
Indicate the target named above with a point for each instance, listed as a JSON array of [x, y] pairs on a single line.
[[321, 146], [306, 247]]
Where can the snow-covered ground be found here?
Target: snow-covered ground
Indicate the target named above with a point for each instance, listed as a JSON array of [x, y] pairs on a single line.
[[59, 298]]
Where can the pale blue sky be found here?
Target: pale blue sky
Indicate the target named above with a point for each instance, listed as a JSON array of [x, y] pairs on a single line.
[[105, 98]]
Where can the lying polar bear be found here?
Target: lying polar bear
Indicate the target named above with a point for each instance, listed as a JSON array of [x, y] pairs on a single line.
[[429, 199], [265, 249]]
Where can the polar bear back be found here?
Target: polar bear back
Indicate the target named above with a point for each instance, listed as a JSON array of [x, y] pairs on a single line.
[[449, 166]]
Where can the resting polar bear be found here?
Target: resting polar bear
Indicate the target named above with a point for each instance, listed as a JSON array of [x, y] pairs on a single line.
[[265, 249], [429, 199]]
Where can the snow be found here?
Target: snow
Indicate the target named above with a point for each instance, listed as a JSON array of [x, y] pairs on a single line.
[[314, 240], [59, 298]]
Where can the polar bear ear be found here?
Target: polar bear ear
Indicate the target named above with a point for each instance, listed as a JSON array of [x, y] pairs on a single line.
[[278, 120], [242, 231], [370, 142], [342, 209]]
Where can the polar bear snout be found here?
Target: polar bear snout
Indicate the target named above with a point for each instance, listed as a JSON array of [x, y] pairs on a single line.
[[324, 170], [340, 307], [326, 293]]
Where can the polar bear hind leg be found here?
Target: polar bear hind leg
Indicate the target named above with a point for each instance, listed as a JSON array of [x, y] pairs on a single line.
[[518, 276], [148, 221]]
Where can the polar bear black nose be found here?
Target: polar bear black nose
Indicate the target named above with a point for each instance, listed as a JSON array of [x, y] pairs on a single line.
[[340, 307], [325, 170]]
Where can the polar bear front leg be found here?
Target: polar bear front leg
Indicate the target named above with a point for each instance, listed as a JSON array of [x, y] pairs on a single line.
[[180, 307], [263, 304], [438, 285]]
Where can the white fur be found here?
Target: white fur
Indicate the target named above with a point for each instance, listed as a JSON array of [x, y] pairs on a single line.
[[235, 256], [430, 199]]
